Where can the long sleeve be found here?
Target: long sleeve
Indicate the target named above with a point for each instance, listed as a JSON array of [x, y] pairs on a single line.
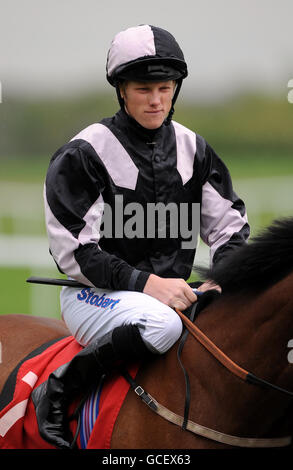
[[224, 224], [73, 196]]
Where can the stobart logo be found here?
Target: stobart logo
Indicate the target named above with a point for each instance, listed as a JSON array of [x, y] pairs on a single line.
[[155, 220], [89, 297]]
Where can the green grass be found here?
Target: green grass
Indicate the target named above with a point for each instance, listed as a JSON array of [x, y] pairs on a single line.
[[254, 164], [23, 170], [15, 296], [18, 296], [259, 165]]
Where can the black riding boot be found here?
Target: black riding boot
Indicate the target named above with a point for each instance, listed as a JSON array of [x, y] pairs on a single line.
[[53, 397]]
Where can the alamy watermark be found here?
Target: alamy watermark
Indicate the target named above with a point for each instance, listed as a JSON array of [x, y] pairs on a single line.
[[290, 353], [154, 220], [290, 94]]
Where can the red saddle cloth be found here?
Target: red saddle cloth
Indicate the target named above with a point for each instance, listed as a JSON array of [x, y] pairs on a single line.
[[18, 423]]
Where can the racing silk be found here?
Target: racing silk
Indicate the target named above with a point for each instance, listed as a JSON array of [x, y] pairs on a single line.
[[118, 164]]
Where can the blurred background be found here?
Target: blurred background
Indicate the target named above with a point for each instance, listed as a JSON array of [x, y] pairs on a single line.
[[52, 76]]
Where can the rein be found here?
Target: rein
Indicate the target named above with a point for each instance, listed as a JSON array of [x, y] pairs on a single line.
[[235, 369], [225, 360]]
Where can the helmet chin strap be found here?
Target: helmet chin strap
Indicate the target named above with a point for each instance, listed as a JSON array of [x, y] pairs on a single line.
[[171, 112], [120, 99]]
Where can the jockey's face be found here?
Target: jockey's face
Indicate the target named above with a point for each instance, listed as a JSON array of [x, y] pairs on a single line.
[[148, 103]]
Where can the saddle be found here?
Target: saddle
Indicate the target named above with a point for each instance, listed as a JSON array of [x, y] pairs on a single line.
[[18, 423]]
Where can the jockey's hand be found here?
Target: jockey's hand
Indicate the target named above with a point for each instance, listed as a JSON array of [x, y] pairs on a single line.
[[209, 285], [170, 291]]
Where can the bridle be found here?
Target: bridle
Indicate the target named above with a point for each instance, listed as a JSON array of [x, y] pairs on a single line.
[[234, 368]]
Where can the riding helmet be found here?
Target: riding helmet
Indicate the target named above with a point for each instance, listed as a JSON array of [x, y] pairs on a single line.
[[145, 53]]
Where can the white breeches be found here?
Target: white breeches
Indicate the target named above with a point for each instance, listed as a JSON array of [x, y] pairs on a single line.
[[90, 313]]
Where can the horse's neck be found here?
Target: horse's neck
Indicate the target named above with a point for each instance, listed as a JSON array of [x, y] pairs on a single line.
[[254, 333], [255, 329]]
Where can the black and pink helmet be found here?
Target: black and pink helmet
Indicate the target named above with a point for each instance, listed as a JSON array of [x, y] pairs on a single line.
[[145, 52]]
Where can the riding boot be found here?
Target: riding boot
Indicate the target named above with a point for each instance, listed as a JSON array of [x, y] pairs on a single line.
[[75, 378]]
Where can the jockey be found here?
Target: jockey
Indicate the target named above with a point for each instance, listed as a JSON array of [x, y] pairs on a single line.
[[135, 276]]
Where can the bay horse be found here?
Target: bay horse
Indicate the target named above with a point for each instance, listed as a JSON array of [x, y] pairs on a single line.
[[251, 322]]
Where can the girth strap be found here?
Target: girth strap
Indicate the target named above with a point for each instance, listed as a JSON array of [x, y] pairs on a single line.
[[203, 431]]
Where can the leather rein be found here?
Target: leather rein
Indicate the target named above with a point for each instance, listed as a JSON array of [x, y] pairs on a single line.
[[234, 368]]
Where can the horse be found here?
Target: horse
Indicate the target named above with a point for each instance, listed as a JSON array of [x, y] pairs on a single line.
[[251, 322]]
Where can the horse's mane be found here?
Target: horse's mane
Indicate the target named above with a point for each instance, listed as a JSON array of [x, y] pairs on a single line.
[[258, 264]]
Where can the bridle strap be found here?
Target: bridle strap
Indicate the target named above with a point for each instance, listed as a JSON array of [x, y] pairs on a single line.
[[212, 348], [186, 377]]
